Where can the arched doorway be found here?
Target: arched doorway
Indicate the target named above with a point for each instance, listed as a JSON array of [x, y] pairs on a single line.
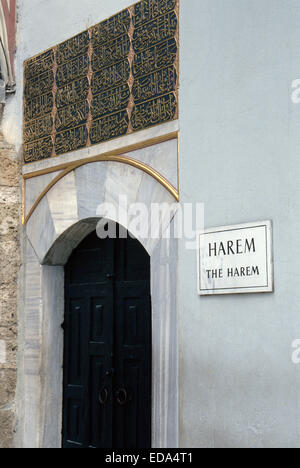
[[107, 345], [62, 220]]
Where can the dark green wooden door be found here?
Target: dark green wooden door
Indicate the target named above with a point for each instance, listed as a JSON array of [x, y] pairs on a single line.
[[107, 355]]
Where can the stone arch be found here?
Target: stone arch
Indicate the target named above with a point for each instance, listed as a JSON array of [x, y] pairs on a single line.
[[78, 195], [116, 158], [64, 217]]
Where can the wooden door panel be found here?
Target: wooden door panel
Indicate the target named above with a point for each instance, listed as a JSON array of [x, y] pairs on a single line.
[[107, 358], [76, 310], [75, 323], [74, 411], [133, 364], [100, 412], [100, 348], [88, 354]]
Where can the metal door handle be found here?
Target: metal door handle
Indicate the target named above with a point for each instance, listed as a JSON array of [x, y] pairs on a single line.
[[103, 396], [110, 372], [121, 396]]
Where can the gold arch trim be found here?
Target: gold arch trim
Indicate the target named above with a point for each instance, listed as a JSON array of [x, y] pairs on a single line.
[[104, 158]]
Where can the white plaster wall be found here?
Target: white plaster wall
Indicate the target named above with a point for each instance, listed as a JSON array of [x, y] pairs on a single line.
[[240, 155]]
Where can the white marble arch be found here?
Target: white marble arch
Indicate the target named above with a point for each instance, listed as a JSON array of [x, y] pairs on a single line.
[[64, 217]]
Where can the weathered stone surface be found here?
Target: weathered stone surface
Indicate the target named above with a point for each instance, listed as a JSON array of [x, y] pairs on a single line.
[[5, 146], [9, 171], [9, 261], [6, 429], [8, 305], [9, 195], [7, 387], [9, 268], [9, 219]]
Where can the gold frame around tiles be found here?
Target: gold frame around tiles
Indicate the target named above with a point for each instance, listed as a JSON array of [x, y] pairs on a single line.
[[113, 156]]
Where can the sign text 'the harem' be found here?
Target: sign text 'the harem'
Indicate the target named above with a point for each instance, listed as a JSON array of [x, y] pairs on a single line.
[[116, 78]]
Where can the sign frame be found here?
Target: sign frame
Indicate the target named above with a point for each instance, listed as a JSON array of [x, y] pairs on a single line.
[[268, 288]]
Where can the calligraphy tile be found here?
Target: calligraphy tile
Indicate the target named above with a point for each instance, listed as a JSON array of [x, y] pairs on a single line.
[[109, 127], [71, 140], [111, 52], [72, 70], [39, 64], [159, 56], [111, 77], [71, 116], [111, 29], [156, 84], [72, 92], [37, 150], [72, 48], [154, 112], [155, 31], [40, 84], [39, 128], [38, 106], [148, 10], [112, 100]]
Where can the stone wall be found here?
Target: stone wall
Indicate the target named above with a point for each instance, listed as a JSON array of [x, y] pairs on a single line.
[[9, 267]]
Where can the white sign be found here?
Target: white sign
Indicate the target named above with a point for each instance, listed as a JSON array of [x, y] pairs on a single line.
[[235, 259]]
